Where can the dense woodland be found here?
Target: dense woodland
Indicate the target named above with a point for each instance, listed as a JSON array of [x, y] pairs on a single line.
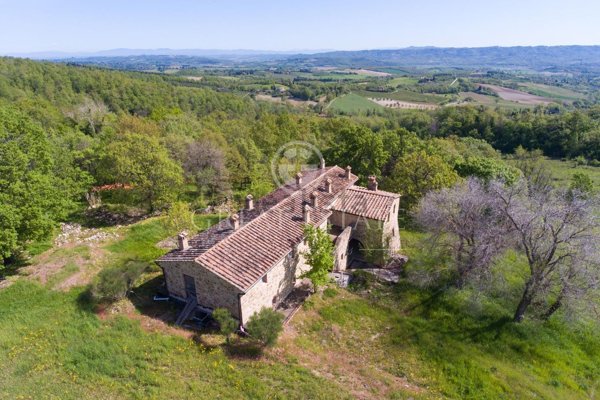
[[66, 129], [499, 298]]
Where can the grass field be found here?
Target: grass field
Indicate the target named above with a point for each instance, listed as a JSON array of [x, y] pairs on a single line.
[[402, 81], [352, 103], [554, 92], [55, 346], [563, 171], [387, 342]]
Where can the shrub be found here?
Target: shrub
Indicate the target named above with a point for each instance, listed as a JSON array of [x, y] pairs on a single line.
[[114, 283], [227, 324], [265, 326], [180, 218], [361, 280], [329, 293]]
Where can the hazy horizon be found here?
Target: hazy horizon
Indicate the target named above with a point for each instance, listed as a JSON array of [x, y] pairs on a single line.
[[285, 26]]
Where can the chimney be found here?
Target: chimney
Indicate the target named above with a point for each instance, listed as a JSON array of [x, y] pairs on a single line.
[[235, 222], [299, 179], [372, 185], [313, 199], [182, 241], [348, 171], [328, 185], [249, 202], [306, 213], [322, 166]]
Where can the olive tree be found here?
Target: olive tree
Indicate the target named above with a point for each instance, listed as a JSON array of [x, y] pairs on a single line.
[[465, 219], [558, 232]]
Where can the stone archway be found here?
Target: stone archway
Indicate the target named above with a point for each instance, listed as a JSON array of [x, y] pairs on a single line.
[[355, 254]]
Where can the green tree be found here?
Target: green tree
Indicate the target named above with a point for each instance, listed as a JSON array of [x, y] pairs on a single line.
[[319, 256], [265, 326], [37, 188], [487, 169], [144, 163], [227, 324], [359, 147], [417, 173], [582, 183], [180, 218]]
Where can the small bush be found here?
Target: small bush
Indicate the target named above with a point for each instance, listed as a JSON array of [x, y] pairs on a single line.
[[227, 324], [114, 283], [265, 326], [361, 280]]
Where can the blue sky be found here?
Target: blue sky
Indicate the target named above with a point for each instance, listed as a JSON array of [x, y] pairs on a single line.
[[91, 25]]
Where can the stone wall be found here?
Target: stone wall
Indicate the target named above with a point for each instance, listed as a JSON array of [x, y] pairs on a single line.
[[341, 249], [281, 280], [211, 290], [279, 283], [389, 228]]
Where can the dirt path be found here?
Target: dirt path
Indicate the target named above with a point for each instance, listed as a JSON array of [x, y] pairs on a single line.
[[76, 257]]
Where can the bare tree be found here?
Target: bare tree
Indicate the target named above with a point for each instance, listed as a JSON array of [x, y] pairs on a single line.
[[205, 165], [466, 219], [558, 233], [90, 112]]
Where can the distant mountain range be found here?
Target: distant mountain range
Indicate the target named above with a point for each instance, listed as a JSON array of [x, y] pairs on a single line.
[[535, 57], [539, 58], [55, 55]]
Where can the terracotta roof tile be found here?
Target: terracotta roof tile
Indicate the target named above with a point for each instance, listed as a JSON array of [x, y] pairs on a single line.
[[267, 233], [372, 204]]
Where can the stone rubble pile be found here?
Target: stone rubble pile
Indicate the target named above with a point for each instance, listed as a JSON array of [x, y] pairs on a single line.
[[76, 234]]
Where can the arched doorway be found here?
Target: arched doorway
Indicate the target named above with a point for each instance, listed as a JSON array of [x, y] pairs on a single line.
[[355, 254]]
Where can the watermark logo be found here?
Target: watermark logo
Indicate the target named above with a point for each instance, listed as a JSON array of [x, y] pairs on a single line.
[[292, 158]]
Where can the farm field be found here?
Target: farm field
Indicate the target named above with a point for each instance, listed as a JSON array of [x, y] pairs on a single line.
[[353, 103], [465, 98], [405, 95], [517, 96], [554, 92], [390, 103]]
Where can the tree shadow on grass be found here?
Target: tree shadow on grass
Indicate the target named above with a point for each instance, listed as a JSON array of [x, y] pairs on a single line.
[[440, 315], [142, 297]]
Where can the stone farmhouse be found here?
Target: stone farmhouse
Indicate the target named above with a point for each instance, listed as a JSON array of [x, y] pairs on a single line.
[[253, 259]]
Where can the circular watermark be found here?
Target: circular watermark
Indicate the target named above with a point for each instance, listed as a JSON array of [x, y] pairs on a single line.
[[292, 158]]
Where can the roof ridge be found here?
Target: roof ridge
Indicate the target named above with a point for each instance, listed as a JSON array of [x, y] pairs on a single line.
[[377, 192], [276, 206]]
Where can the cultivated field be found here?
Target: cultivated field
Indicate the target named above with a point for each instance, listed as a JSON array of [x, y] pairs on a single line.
[[391, 103], [353, 103], [518, 96]]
